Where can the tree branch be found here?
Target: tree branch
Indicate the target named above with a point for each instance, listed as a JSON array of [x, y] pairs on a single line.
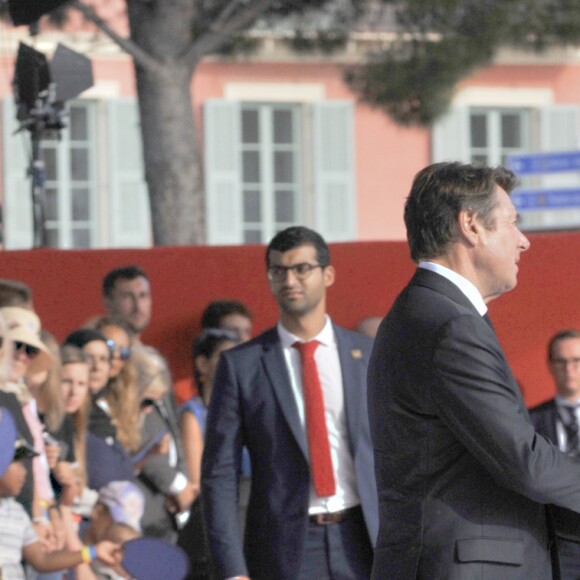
[[140, 56], [222, 28]]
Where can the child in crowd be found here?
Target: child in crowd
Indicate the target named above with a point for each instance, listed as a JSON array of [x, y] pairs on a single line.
[[18, 541]]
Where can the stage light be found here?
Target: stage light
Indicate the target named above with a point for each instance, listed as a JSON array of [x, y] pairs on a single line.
[[29, 11]]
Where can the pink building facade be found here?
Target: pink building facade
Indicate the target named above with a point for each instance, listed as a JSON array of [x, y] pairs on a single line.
[[284, 141]]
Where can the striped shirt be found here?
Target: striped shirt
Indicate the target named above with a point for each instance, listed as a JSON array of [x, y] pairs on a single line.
[[16, 532]]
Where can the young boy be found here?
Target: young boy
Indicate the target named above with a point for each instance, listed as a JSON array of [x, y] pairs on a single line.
[[18, 541]]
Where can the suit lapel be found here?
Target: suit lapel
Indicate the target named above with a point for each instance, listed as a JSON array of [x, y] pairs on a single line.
[[351, 366], [277, 373], [550, 423]]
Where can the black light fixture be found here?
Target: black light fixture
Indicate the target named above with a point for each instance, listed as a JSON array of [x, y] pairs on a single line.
[[40, 91], [29, 11]]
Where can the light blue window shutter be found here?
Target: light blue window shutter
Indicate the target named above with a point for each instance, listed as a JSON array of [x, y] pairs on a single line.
[[334, 166], [129, 210], [223, 177], [17, 210], [560, 131], [450, 136]]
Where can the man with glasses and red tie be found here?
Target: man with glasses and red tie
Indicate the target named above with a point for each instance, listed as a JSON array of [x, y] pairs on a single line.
[[295, 396], [558, 420]]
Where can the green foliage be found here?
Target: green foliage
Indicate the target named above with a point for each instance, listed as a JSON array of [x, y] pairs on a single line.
[[323, 41], [417, 87], [414, 80]]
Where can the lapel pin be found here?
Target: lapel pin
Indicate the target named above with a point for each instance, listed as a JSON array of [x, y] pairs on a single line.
[[356, 353]]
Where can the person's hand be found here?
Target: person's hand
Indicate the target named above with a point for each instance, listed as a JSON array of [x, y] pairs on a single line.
[[109, 553], [46, 535], [64, 473], [181, 501], [52, 453], [185, 497], [58, 528]]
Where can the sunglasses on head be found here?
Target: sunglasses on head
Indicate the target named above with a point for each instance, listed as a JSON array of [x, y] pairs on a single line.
[[124, 352], [22, 450], [31, 351]]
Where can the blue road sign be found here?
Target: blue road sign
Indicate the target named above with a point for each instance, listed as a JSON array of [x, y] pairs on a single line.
[[543, 199], [535, 163]]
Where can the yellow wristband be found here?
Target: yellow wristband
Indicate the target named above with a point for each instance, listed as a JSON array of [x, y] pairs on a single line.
[[86, 554]]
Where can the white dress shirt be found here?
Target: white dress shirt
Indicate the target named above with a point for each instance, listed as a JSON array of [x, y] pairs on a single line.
[[330, 374], [467, 287], [561, 431]]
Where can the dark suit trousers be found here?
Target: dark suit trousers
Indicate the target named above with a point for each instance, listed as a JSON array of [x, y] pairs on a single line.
[[339, 551]]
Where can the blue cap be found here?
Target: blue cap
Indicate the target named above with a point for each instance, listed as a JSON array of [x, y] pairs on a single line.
[[152, 558]]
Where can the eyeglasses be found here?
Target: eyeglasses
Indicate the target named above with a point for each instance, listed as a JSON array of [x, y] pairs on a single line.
[[145, 403], [124, 352], [29, 350], [301, 271], [562, 363]]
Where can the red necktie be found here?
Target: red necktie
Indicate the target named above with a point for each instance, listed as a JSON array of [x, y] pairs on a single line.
[[318, 444]]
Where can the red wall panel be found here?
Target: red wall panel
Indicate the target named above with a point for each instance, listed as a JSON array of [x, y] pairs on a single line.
[[67, 292]]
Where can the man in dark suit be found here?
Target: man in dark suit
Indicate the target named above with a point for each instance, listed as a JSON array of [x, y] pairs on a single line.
[[557, 419], [461, 473], [313, 507]]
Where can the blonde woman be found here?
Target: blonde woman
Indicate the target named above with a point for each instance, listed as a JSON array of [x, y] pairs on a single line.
[[121, 391]]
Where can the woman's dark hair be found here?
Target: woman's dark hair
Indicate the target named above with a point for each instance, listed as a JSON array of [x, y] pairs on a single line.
[[206, 343]]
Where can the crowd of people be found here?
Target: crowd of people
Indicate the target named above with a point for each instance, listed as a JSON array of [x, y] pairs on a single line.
[[310, 451], [108, 455]]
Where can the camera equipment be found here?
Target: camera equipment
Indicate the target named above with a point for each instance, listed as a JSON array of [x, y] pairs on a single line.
[[40, 90]]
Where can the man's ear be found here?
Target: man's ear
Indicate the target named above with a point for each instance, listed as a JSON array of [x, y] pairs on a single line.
[[469, 226], [329, 276]]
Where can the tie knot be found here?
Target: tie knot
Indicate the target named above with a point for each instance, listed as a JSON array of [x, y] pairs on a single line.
[[306, 349]]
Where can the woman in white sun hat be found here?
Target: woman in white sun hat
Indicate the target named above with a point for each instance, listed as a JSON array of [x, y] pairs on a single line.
[[29, 356]]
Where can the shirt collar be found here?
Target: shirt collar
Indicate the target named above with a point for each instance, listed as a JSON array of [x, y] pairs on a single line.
[[467, 287], [561, 402], [325, 336]]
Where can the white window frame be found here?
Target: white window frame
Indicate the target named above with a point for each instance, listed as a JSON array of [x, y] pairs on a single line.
[[64, 185], [268, 225], [328, 190]]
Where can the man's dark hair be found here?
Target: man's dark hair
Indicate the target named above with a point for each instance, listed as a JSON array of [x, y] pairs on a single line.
[[562, 335], [122, 273], [296, 236], [14, 293], [218, 309], [442, 190]]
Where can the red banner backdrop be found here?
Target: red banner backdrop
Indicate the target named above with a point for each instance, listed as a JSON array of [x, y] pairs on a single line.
[[67, 292]]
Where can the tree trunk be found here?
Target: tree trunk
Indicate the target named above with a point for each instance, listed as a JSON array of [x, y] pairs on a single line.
[[170, 150]]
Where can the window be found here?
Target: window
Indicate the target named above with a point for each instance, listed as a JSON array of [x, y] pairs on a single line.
[[271, 161], [95, 192], [71, 184], [272, 165], [489, 134], [496, 133]]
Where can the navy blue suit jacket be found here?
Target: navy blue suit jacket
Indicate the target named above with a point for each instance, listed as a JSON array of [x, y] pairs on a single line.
[[253, 405], [462, 474]]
